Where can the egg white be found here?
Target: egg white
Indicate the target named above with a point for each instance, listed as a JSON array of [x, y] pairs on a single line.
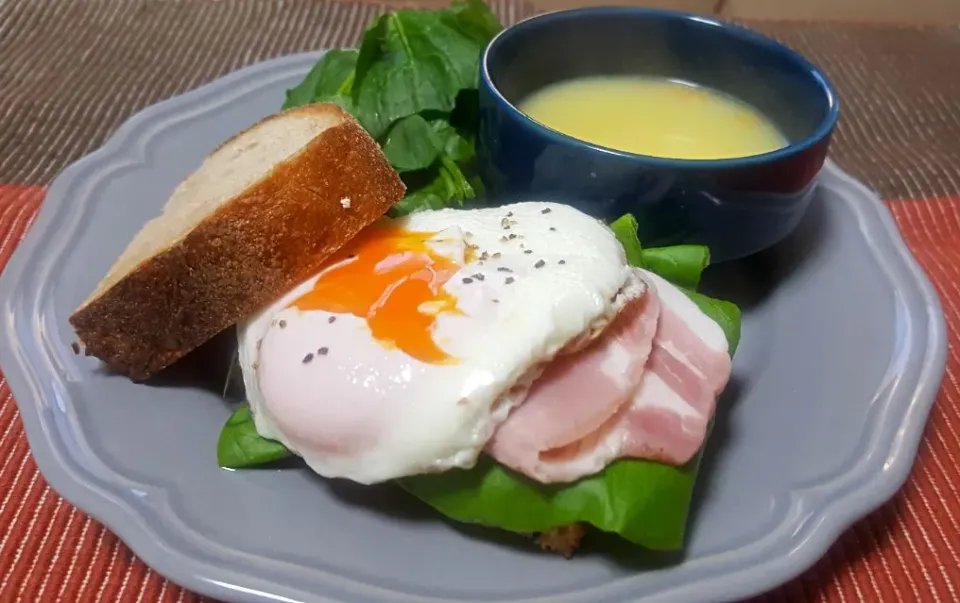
[[550, 277]]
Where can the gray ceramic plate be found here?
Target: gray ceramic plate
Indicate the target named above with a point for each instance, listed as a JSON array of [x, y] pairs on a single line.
[[843, 350]]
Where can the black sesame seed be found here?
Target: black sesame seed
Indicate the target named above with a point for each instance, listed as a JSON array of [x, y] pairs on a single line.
[[512, 236], [75, 347], [467, 280], [528, 251], [496, 254], [546, 210], [332, 319], [479, 276], [562, 262], [508, 280], [307, 358], [509, 214], [282, 324], [323, 351], [539, 264], [552, 229], [496, 301], [503, 269]]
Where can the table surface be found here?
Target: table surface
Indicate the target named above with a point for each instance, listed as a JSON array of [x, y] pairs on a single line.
[[71, 72]]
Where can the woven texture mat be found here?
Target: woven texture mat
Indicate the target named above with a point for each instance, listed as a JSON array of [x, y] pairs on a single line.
[[72, 70]]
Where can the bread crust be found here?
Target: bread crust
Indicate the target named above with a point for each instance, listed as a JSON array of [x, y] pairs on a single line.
[[250, 251], [564, 540]]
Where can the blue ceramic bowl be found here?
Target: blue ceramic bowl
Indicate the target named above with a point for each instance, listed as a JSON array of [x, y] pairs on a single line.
[[735, 206]]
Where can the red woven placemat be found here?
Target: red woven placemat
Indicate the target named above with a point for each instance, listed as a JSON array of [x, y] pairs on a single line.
[[71, 71]]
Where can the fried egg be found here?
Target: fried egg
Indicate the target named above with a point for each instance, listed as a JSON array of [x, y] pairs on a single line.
[[408, 349]]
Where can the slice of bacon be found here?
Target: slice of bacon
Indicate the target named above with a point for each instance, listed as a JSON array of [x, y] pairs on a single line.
[[646, 389], [578, 393]]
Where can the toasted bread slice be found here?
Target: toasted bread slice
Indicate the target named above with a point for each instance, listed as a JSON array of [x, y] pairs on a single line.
[[260, 215], [564, 540]]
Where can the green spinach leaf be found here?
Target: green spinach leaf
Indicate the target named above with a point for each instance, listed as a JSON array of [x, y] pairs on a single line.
[[417, 61], [724, 313], [682, 265], [434, 189], [331, 79], [475, 19], [241, 446], [454, 144], [414, 68], [644, 502], [413, 144], [625, 227]]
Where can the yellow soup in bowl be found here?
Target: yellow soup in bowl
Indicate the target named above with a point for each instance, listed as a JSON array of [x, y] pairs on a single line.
[[652, 116]]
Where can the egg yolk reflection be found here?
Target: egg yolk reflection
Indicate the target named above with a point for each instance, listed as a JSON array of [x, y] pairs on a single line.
[[394, 280]]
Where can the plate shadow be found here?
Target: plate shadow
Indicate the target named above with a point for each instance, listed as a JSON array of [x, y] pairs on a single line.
[[385, 499], [206, 368], [747, 282], [718, 440]]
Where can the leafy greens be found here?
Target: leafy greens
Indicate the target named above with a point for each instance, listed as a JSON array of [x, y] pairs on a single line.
[[412, 85], [241, 446]]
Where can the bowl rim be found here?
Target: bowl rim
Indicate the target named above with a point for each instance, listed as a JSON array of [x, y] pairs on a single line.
[[822, 131]]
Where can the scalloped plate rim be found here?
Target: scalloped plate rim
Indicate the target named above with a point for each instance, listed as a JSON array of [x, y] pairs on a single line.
[[820, 528]]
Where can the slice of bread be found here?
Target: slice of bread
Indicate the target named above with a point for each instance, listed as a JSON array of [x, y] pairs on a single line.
[[260, 215], [564, 540]]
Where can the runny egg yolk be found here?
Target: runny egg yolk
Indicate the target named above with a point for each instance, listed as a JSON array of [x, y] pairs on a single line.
[[394, 280]]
